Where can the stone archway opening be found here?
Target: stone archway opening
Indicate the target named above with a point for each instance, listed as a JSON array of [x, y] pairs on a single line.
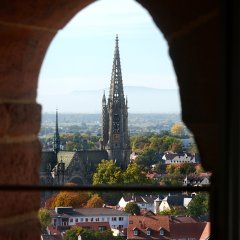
[[93, 51], [27, 30]]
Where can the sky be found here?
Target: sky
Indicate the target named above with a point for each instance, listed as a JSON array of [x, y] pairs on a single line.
[[81, 54]]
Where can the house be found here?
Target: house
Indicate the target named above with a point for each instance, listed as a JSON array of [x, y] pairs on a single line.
[[148, 227], [153, 175], [173, 158], [165, 227], [202, 179], [133, 156], [95, 218], [146, 203], [174, 201], [193, 231], [58, 232]]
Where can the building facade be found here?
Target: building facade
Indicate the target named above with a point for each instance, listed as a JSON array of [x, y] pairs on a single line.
[[67, 216]]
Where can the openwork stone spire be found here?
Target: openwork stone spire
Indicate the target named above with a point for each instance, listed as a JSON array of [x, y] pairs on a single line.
[[56, 143], [116, 88], [115, 117]]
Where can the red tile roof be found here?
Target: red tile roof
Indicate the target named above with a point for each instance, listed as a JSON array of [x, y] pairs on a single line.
[[155, 223], [182, 219], [189, 230], [53, 230], [206, 232]]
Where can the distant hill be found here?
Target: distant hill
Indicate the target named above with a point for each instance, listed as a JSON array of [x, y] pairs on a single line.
[[140, 99]]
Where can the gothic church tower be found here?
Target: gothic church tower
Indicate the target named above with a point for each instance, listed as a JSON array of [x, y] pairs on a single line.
[[56, 138], [115, 117]]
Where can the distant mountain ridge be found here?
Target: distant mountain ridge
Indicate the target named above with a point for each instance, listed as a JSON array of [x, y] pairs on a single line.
[[140, 99]]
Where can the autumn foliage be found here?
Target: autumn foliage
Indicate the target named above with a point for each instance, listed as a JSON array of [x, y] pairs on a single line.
[[74, 199], [95, 202]]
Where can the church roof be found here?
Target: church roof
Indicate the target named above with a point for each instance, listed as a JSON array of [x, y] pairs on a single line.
[[66, 157], [48, 160]]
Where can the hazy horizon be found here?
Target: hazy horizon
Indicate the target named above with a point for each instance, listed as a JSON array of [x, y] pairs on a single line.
[[140, 100]]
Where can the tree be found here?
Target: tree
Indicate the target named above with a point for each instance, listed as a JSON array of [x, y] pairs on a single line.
[[147, 158], [94, 202], [173, 211], [86, 234], [176, 146], [49, 202], [132, 208], [171, 168], [171, 180], [199, 168], [160, 167], [155, 143], [74, 199], [139, 143], [133, 174], [44, 218], [169, 143], [193, 149], [73, 233], [178, 129], [187, 168], [198, 205], [107, 173]]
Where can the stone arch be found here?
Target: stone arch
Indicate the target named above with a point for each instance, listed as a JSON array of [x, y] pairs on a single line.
[[27, 28], [76, 179]]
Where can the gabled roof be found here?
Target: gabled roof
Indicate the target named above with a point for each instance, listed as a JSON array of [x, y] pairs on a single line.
[[206, 232], [66, 157], [174, 200], [100, 212], [175, 156], [198, 177], [139, 199], [149, 213], [88, 212], [143, 223], [48, 161], [189, 230], [182, 219]]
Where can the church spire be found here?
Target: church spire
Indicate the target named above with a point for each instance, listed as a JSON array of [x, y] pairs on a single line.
[[116, 94], [115, 117], [56, 144], [104, 99]]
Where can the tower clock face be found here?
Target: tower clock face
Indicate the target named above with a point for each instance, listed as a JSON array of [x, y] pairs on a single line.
[[115, 137], [116, 123]]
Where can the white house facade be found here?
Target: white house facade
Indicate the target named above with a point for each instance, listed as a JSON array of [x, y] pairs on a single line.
[[174, 158], [67, 216], [144, 202], [172, 201]]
